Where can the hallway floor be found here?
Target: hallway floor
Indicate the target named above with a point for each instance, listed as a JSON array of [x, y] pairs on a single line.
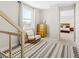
[[49, 49], [67, 36]]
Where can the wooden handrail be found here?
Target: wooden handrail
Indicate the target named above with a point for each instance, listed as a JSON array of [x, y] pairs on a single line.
[[11, 33], [10, 21]]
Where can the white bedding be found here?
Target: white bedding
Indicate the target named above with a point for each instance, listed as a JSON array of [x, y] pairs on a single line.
[[65, 29]]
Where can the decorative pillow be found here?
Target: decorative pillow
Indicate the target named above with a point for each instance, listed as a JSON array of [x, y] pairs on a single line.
[[30, 32]]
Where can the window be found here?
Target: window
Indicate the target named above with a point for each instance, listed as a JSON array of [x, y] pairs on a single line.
[[27, 17]]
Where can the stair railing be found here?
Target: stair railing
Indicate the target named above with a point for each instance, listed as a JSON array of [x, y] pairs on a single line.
[[10, 21]]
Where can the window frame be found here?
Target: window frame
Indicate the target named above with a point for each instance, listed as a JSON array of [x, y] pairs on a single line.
[[32, 14]]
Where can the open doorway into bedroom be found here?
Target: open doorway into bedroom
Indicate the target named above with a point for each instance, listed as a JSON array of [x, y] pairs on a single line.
[[67, 23]]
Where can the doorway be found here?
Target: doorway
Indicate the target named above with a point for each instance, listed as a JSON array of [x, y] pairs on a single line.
[[67, 23]]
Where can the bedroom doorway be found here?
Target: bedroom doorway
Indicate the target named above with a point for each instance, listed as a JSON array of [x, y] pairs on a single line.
[[67, 23]]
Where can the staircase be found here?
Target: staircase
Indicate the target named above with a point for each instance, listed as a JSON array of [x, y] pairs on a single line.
[[42, 49], [21, 34]]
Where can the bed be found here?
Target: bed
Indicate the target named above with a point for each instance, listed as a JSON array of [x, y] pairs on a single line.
[[65, 28]]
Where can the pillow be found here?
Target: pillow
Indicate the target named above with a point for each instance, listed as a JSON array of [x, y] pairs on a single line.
[[30, 32]]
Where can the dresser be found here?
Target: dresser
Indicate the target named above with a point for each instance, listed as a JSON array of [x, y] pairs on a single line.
[[42, 30]]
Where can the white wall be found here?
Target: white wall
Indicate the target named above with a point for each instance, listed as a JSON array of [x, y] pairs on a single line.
[[77, 24], [37, 17], [52, 20], [11, 9], [67, 16]]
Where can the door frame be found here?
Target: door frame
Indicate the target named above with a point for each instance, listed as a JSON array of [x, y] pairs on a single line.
[[74, 5]]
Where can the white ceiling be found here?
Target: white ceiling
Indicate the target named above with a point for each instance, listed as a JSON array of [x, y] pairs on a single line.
[[47, 4]]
